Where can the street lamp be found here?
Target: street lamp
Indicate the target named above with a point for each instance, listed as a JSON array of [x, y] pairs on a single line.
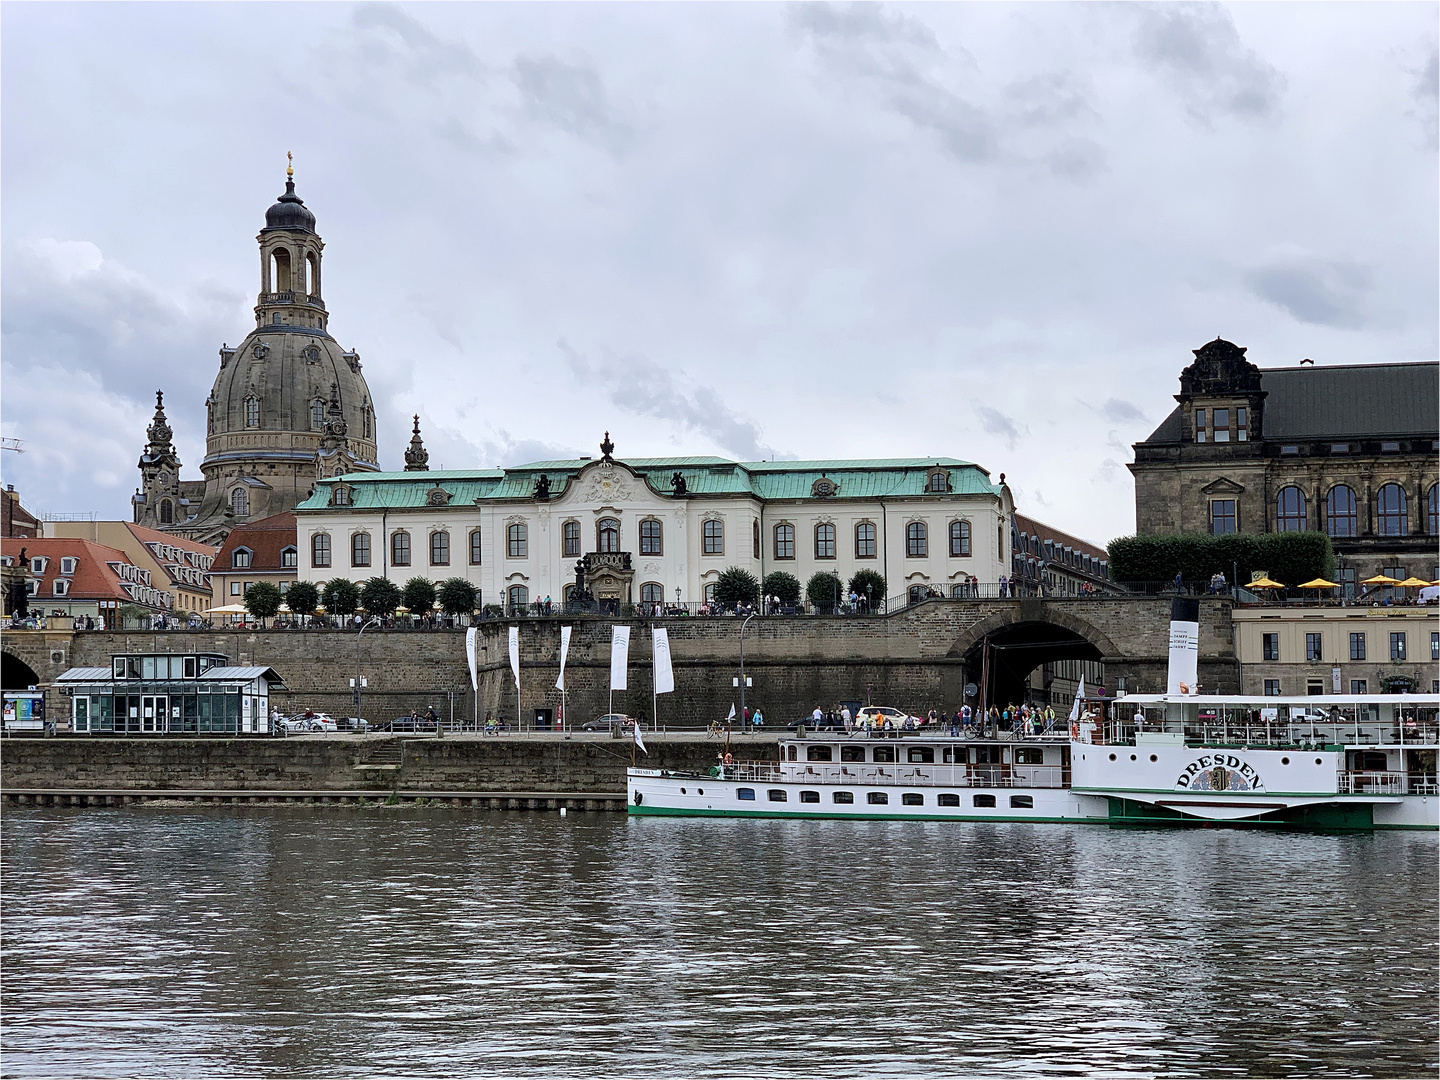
[[372, 622], [677, 596], [869, 603]]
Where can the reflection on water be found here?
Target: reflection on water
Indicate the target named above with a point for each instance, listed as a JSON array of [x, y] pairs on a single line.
[[314, 942]]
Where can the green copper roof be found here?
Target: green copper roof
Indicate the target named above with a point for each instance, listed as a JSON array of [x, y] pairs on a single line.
[[770, 480]]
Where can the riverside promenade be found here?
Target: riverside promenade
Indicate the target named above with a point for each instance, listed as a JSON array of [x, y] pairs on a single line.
[[527, 771]]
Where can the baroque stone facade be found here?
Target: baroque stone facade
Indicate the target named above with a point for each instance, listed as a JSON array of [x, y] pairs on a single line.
[[289, 405], [1348, 449]]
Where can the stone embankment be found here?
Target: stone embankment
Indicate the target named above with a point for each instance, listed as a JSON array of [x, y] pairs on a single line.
[[516, 772]]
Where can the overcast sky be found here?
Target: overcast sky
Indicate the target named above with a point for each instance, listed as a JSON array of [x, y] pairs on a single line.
[[992, 232]]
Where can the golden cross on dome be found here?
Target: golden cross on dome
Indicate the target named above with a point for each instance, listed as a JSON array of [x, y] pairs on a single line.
[[289, 164]]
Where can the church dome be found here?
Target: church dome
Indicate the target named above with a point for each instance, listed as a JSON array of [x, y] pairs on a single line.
[[289, 212]]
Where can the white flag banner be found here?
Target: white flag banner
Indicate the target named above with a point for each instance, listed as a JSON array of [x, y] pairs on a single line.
[[564, 652], [470, 635], [515, 654], [664, 674], [1075, 709], [639, 742], [732, 712], [619, 657]]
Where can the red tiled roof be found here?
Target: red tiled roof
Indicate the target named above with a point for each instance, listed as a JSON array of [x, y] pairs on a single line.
[[93, 578], [155, 536], [265, 539]]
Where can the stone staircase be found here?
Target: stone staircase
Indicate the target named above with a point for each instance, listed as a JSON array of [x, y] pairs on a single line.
[[382, 756]]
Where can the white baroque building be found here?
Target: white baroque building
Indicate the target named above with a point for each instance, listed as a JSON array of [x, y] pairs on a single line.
[[659, 529]]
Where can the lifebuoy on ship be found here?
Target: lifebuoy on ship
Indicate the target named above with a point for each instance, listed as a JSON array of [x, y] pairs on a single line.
[[729, 760], [1075, 732]]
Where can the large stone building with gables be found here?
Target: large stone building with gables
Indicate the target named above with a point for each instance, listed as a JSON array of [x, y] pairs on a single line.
[[1349, 449], [289, 404], [655, 530]]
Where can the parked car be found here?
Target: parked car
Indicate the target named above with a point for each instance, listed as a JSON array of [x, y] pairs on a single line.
[[310, 720], [608, 722], [875, 716], [351, 723]]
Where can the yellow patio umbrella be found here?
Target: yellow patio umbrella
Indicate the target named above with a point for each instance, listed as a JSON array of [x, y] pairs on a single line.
[[1318, 583], [1263, 583], [1413, 582], [1381, 579]]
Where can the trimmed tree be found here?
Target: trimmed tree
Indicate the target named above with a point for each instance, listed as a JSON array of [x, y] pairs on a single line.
[[303, 598], [380, 596], [263, 600], [784, 587], [875, 580], [418, 595], [824, 591], [736, 586], [341, 596], [1289, 557], [457, 596]]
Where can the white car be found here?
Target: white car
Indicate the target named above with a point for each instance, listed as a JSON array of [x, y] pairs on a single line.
[[875, 716], [310, 721]]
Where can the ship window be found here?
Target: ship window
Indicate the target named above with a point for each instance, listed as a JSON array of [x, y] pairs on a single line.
[[983, 800], [745, 793], [818, 753], [1022, 802], [877, 798], [948, 799], [913, 798], [809, 796], [921, 754], [883, 754], [1029, 755], [852, 753], [776, 794], [843, 797]]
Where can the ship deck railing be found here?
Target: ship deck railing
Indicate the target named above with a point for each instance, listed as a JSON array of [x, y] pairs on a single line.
[[1286, 735], [1392, 782], [899, 775]]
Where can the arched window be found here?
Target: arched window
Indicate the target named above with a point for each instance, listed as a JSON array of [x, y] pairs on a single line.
[[784, 541], [240, 502], [570, 539], [360, 549], [439, 548], [312, 275], [957, 592], [1340, 515], [475, 547], [289, 558], [1391, 516], [517, 541], [710, 590], [714, 537], [650, 537], [282, 270], [400, 548], [1432, 515], [607, 535], [252, 412], [865, 540], [939, 482], [365, 421], [240, 559], [1290, 510], [320, 549], [960, 539], [824, 541], [167, 510], [519, 597], [652, 593], [916, 593], [755, 536], [317, 414], [917, 541]]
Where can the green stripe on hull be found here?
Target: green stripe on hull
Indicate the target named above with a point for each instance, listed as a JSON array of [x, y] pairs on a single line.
[[1325, 817], [673, 811]]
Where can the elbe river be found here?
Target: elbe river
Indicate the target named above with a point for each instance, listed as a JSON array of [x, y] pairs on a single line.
[[316, 942]]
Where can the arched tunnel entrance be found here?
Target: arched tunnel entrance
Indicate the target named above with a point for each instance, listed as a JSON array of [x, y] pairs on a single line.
[[15, 674], [1002, 654]]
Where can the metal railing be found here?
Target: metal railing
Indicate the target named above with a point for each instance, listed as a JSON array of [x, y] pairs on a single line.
[[1360, 782], [898, 775]]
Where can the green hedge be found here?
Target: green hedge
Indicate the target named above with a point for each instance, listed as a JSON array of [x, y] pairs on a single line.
[[1289, 558]]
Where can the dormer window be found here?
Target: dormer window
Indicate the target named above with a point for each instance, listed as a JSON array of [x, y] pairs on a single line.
[[38, 564], [289, 558], [240, 502], [60, 587], [1222, 425], [939, 482], [240, 559], [340, 495], [68, 563]]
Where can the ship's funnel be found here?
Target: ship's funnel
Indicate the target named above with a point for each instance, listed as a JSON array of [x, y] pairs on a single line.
[[1184, 645]]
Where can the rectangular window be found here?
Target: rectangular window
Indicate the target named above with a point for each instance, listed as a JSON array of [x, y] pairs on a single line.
[[1340, 448], [517, 541], [1222, 425], [1435, 644], [650, 537], [824, 541], [289, 559], [1199, 425], [320, 549], [1357, 646], [440, 548], [1314, 687], [948, 799], [1359, 686], [983, 801], [1312, 648], [1270, 646], [843, 797], [809, 796], [784, 541], [877, 798], [234, 588], [570, 539], [475, 546], [865, 540], [745, 793], [852, 753], [1397, 646], [1241, 430], [360, 549], [1389, 447], [1272, 687], [912, 798], [1222, 517], [714, 537], [959, 539], [917, 543], [1027, 802], [400, 549], [1289, 451], [777, 795]]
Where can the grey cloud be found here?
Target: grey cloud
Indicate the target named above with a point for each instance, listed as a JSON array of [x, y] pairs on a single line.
[[508, 451], [1197, 50], [1077, 159], [389, 32], [1109, 469], [641, 386], [1053, 98], [1117, 411], [572, 98], [1325, 294], [997, 423], [1427, 99]]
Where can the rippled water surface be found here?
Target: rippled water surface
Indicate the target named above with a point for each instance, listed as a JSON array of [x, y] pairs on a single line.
[[345, 942]]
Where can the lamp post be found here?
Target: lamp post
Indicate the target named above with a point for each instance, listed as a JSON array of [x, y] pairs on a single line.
[[836, 609], [869, 602], [358, 637], [743, 625], [677, 596]]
